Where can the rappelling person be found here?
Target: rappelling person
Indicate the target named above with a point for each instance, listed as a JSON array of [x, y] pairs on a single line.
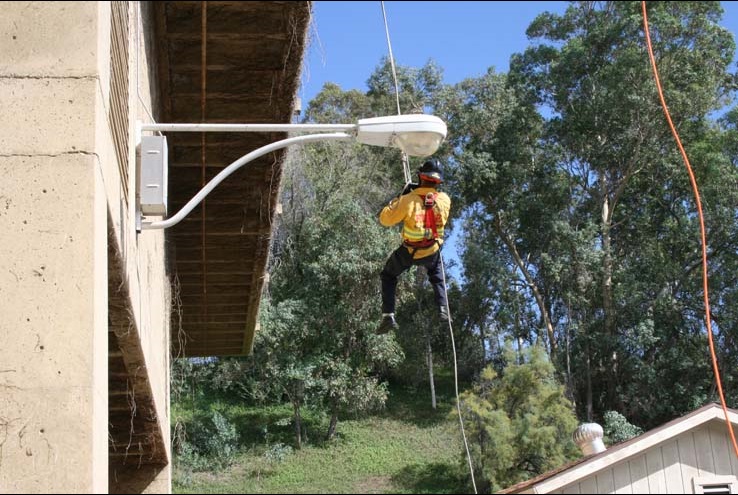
[[424, 211]]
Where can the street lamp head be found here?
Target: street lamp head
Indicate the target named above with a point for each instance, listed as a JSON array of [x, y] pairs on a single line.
[[415, 134]]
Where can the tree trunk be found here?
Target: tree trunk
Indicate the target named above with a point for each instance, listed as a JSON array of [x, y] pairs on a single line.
[[298, 424], [608, 306], [483, 340], [607, 298], [430, 369], [518, 335], [332, 425], [590, 409], [429, 350], [545, 317], [569, 381]]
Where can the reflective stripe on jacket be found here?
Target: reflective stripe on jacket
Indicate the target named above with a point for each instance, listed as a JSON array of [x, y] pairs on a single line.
[[410, 209]]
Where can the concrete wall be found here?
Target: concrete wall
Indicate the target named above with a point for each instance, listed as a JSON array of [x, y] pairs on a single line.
[[60, 180], [145, 252]]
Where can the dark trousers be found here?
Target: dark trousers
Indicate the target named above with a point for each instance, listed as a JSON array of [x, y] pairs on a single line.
[[400, 261]]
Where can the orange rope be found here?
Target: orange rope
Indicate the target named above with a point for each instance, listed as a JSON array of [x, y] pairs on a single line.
[[702, 228]]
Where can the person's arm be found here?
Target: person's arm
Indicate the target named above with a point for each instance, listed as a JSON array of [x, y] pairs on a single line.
[[409, 187], [394, 212]]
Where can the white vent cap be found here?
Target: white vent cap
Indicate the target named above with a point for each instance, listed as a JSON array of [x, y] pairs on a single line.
[[589, 438]]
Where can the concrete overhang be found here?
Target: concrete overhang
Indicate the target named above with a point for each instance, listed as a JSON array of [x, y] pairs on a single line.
[[224, 62]]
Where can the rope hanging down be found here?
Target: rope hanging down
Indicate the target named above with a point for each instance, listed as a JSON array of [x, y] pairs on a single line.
[[693, 181], [406, 170], [456, 379]]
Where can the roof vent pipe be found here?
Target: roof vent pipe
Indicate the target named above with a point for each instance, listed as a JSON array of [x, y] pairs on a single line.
[[589, 438]]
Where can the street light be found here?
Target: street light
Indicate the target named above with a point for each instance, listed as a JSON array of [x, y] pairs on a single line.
[[416, 135]]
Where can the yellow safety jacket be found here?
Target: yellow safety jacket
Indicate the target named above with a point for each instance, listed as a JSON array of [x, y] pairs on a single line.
[[410, 209]]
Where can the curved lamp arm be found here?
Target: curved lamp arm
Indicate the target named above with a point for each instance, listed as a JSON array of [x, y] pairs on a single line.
[[414, 134], [191, 204]]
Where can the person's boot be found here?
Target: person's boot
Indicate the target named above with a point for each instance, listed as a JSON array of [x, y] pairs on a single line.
[[443, 313], [388, 324]]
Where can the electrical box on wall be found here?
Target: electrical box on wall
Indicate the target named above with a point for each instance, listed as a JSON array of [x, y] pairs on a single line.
[[153, 181]]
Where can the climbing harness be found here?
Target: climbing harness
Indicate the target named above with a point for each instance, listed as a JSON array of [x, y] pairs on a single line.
[[430, 217], [427, 235]]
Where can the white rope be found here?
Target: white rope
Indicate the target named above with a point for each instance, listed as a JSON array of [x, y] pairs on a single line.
[[456, 377], [392, 59], [406, 170], [405, 162]]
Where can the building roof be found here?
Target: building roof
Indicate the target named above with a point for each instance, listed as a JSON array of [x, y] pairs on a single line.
[[252, 53], [587, 466]]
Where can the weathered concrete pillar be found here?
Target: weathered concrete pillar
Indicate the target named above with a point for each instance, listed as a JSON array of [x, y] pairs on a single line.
[[53, 251]]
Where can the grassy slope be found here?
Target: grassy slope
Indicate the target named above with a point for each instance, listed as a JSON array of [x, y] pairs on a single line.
[[407, 448]]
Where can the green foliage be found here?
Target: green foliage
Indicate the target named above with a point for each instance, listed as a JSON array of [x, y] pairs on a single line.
[[190, 377], [278, 452], [208, 441], [617, 429], [407, 448], [322, 315], [519, 423]]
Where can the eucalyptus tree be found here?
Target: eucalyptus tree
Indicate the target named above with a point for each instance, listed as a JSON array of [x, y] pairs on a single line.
[[510, 206], [590, 71]]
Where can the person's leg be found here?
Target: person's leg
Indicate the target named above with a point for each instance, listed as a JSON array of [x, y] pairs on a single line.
[[433, 265], [399, 261]]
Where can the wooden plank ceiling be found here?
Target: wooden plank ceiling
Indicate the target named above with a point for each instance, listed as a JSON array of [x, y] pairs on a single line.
[[224, 62]]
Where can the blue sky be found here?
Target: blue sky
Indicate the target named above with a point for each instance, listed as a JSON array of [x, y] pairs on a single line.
[[348, 40]]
